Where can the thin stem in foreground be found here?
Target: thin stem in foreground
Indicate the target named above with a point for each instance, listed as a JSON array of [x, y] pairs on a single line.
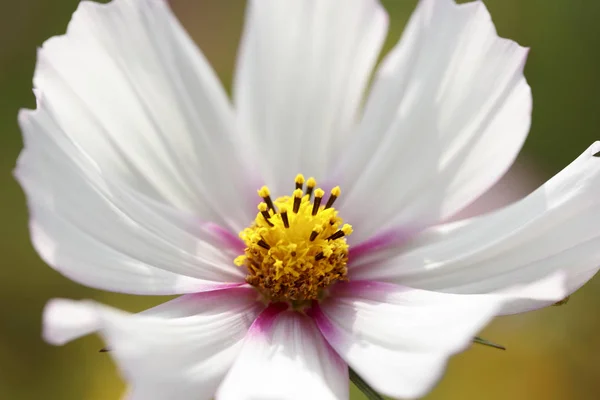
[[364, 386], [485, 342]]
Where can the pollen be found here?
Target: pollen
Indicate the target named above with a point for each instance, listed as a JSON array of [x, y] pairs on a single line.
[[296, 247]]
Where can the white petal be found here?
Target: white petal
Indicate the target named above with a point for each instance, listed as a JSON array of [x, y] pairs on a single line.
[[399, 339], [105, 235], [302, 69], [129, 87], [285, 357], [179, 350], [556, 228], [448, 112]]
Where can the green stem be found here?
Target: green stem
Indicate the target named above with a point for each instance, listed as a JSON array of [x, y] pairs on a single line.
[[484, 342], [364, 386]]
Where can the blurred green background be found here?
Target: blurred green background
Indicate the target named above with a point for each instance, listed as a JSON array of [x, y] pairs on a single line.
[[552, 354]]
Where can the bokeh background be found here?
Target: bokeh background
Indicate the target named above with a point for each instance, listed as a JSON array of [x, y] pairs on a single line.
[[552, 354]]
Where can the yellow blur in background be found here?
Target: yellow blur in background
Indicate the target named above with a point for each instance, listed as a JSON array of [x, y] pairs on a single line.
[[552, 354]]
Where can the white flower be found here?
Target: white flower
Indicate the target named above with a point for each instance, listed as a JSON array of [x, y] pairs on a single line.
[[140, 174]]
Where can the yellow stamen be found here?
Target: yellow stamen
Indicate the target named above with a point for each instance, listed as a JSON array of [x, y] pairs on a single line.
[[319, 193], [346, 230], [264, 192], [315, 233], [335, 193], [284, 215], [263, 244], [266, 195], [297, 200], [293, 257], [264, 211], [310, 186], [299, 181]]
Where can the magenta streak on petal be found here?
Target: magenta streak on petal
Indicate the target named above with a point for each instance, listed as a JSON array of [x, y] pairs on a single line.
[[315, 312], [220, 289], [215, 293], [329, 331], [263, 323], [213, 287], [382, 240], [242, 292], [225, 236]]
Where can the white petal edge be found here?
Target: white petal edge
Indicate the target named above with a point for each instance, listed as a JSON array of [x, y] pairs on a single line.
[[399, 339], [447, 115], [285, 357], [129, 87], [98, 231], [302, 69], [181, 349], [554, 229]]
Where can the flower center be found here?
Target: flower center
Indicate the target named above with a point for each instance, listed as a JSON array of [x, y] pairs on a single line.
[[296, 247]]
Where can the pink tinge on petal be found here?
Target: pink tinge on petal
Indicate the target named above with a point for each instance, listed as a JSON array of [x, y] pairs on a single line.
[[217, 290], [328, 330], [324, 324], [396, 237], [381, 240], [263, 323], [554, 229], [225, 236], [180, 349], [398, 339], [285, 356], [210, 287]]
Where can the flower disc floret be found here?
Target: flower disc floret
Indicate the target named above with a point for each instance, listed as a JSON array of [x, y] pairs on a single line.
[[296, 247]]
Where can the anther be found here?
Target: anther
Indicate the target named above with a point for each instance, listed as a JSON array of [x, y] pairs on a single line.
[[310, 185], [346, 230], [319, 256], [336, 235], [297, 200], [315, 233], [299, 181], [284, 216], [264, 210], [319, 193], [263, 244], [266, 196], [335, 193]]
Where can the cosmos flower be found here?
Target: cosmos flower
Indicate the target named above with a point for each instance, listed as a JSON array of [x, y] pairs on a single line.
[[304, 224]]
